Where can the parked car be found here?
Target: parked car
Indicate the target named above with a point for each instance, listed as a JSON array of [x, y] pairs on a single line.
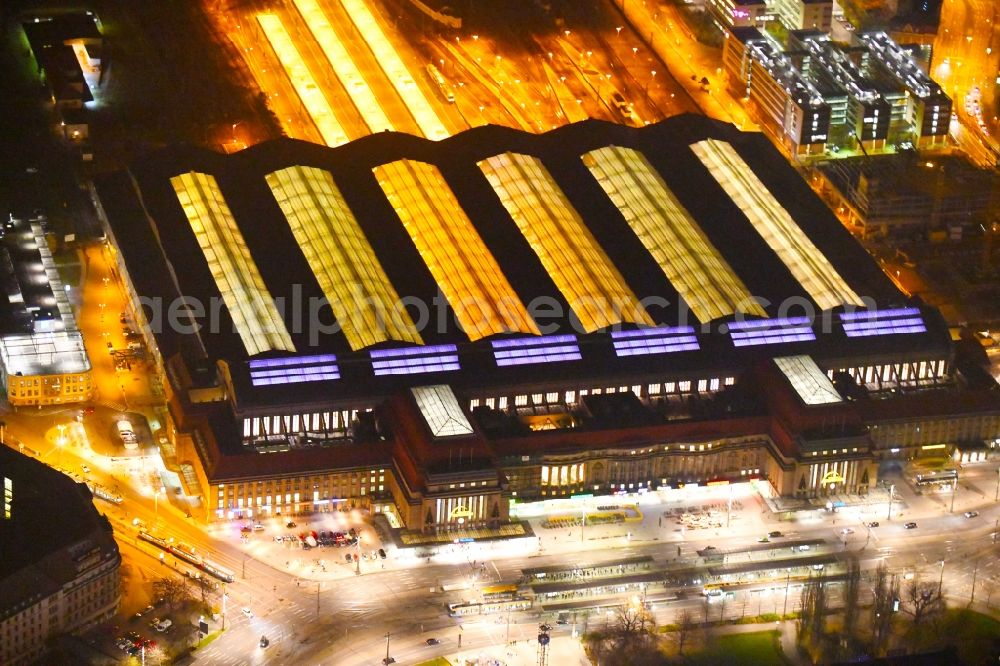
[[971, 514], [145, 611], [432, 641], [874, 523], [775, 534], [246, 611], [910, 526], [381, 553], [290, 524], [164, 625]]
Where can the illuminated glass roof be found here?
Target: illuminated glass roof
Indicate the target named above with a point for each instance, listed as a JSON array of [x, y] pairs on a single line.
[[248, 301], [544, 349], [365, 303], [882, 322], [309, 93], [293, 369], [414, 360], [581, 270], [440, 409], [809, 382], [465, 270], [701, 275], [770, 331], [775, 225]]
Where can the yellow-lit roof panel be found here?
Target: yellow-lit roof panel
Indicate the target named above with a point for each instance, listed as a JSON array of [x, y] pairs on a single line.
[[363, 299], [687, 257], [250, 305], [465, 270], [775, 225], [582, 272]]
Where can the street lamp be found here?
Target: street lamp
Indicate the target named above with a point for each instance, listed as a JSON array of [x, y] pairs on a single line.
[[619, 30], [892, 489], [357, 556]]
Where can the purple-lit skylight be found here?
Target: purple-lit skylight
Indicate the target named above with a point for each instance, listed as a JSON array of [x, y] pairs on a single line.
[[293, 369], [659, 340], [770, 331], [882, 322], [414, 360], [544, 349]]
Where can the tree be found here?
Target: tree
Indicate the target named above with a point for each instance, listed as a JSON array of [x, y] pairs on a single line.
[[852, 590], [886, 591], [173, 591], [923, 600], [686, 626]]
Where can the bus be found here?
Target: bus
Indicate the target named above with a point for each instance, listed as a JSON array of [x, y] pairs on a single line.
[[499, 592], [466, 608], [945, 477], [442, 86]]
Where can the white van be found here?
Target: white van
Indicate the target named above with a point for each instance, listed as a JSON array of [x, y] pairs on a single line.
[[163, 625]]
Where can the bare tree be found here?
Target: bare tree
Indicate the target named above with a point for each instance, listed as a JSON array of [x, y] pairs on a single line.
[[886, 590], [686, 625], [852, 591], [923, 600], [812, 619], [173, 591]]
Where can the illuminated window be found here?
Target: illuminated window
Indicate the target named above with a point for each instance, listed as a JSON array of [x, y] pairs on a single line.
[[468, 275], [8, 496], [584, 274], [684, 253], [250, 305], [775, 225], [309, 92], [365, 303]]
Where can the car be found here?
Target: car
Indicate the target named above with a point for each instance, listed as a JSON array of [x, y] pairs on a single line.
[[246, 611], [145, 611], [775, 535], [874, 523], [164, 625], [381, 553], [263, 642], [707, 550], [353, 532], [910, 526], [847, 530], [86, 470], [290, 524], [763, 539], [388, 660], [152, 623], [258, 527], [971, 514], [432, 641]]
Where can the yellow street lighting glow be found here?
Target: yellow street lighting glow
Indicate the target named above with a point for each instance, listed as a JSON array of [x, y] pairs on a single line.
[[310, 94], [395, 70], [687, 257], [933, 446], [568, 251], [340, 60], [250, 305], [775, 225], [469, 276], [365, 303]]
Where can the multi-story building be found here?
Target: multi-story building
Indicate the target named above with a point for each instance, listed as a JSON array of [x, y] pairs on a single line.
[[804, 14], [58, 559], [873, 92], [433, 330], [42, 357], [738, 13], [929, 109], [790, 106], [899, 194]]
